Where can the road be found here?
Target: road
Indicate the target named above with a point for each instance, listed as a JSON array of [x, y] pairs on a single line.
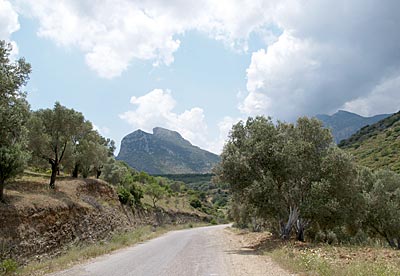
[[199, 251]]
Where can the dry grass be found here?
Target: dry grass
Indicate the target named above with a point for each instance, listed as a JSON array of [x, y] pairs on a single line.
[[323, 259], [31, 191]]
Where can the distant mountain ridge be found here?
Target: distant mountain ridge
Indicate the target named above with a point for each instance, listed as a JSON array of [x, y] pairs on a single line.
[[164, 152], [343, 123], [378, 145]]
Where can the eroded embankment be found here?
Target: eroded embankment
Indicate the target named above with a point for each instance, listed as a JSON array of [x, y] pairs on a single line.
[[38, 223]]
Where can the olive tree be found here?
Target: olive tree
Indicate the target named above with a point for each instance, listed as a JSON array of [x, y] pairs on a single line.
[[14, 114], [90, 155], [52, 135], [383, 205], [278, 169], [155, 192]]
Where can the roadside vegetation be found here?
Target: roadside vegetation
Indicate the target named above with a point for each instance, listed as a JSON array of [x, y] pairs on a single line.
[[206, 195], [40, 148], [378, 145], [59, 142], [323, 210]]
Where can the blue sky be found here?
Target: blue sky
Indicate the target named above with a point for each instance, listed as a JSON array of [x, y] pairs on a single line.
[[205, 74], [199, 66]]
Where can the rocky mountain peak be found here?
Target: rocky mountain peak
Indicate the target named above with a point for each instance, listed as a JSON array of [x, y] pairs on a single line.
[[164, 152]]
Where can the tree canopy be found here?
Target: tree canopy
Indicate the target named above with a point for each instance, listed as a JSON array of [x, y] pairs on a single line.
[[54, 134], [14, 114], [288, 174]]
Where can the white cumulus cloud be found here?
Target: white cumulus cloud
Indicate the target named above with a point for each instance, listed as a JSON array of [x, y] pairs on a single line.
[[8, 23], [224, 127], [113, 33], [384, 98], [156, 109], [330, 54]]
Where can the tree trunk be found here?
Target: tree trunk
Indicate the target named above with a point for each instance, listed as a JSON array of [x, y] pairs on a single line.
[[398, 243], [391, 242], [75, 171], [301, 224], [54, 169], [1, 190], [98, 173], [286, 229]]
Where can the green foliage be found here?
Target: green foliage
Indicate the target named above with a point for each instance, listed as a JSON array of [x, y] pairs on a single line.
[[91, 154], [115, 172], [8, 266], [343, 123], [124, 195], [14, 114], [137, 192], [53, 135], [155, 192], [383, 206], [289, 175], [195, 202], [218, 194], [129, 189], [377, 146], [190, 177]]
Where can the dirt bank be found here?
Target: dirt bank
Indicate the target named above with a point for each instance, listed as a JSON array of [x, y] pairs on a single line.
[[38, 222]]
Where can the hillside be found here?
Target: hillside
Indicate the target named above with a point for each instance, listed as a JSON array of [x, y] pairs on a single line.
[[38, 222], [378, 145], [164, 152], [217, 194], [343, 123]]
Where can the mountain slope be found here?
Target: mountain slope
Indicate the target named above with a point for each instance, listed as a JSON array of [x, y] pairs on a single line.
[[343, 123], [378, 145], [164, 152]]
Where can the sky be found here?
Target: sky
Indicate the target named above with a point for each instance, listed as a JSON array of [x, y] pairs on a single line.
[[200, 66]]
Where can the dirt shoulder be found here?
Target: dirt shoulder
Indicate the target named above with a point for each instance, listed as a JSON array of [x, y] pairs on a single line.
[[243, 256], [261, 254]]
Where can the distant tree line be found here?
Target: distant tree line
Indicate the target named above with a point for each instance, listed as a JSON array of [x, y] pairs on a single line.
[[292, 179]]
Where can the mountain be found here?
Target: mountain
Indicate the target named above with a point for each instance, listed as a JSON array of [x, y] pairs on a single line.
[[343, 123], [164, 152], [378, 145]]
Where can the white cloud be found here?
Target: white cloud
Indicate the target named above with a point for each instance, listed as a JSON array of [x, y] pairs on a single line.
[[102, 130], [113, 33], [8, 24], [384, 98], [224, 128], [156, 109], [329, 54]]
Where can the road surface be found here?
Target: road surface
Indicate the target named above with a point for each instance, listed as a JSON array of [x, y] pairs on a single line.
[[208, 251]]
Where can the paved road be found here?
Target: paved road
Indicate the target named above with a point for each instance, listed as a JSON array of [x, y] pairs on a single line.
[[198, 251]]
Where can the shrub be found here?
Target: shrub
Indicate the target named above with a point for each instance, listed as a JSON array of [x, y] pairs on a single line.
[[8, 266], [195, 202], [124, 195], [320, 237], [331, 238], [137, 193]]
